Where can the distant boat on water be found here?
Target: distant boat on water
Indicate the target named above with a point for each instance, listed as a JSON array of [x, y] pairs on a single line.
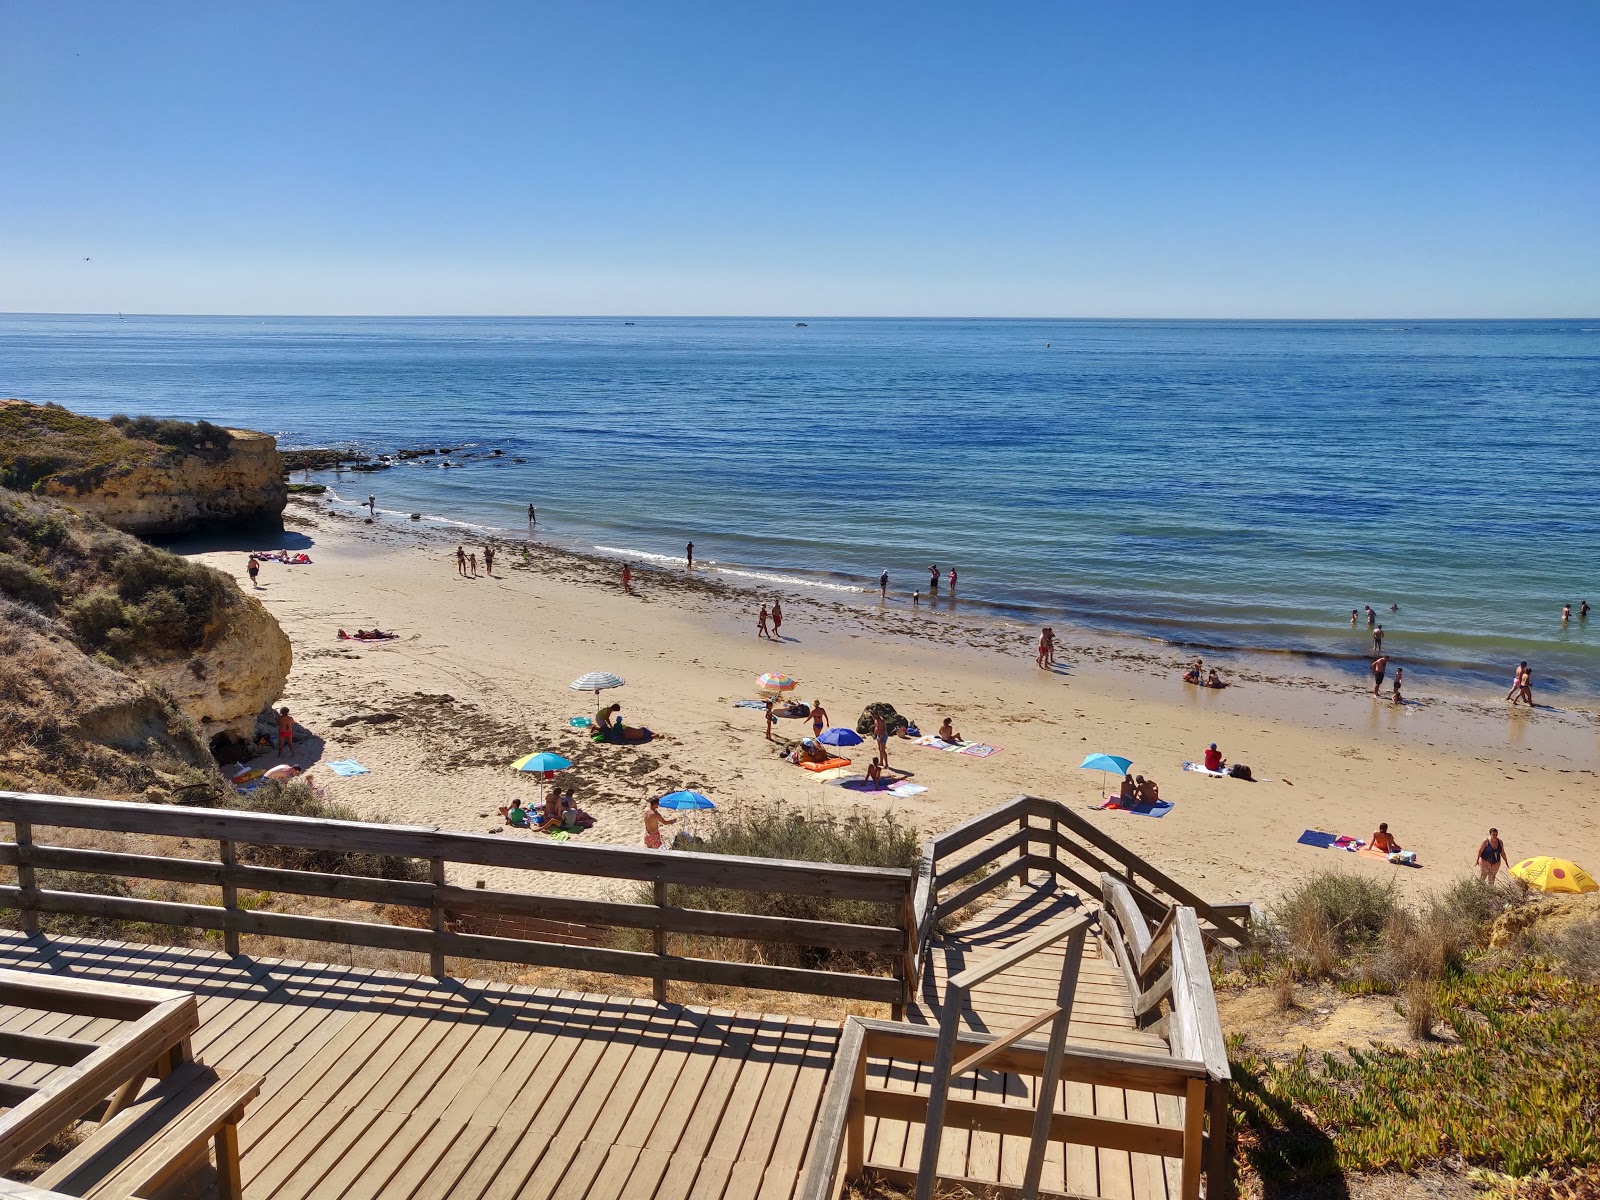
[[801, 325]]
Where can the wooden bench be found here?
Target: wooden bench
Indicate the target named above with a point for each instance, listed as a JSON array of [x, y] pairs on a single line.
[[158, 1136]]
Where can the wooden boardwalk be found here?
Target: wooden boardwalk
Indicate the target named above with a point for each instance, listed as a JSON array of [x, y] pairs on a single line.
[[1101, 1016], [387, 1086]]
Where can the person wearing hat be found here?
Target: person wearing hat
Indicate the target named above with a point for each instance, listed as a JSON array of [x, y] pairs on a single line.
[[1214, 759]]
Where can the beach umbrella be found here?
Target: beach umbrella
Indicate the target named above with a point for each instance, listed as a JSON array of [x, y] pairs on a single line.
[[685, 801], [596, 682], [542, 761], [776, 681], [839, 736], [1104, 763], [1548, 874]]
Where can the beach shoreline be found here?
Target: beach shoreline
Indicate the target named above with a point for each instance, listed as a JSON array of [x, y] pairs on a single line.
[[500, 651]]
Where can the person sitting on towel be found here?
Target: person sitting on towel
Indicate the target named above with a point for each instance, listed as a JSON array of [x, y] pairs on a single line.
[[1129, 792], [1152, 793], [947, 733], [1383, 841], [1214, 759], [516, 815], [550, 818], [875, 773], [812, 751]]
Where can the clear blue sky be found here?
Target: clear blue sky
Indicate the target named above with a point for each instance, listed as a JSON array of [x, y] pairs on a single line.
[[1055, 159]]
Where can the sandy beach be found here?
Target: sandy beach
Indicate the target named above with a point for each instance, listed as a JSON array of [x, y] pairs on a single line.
[[479, 677]]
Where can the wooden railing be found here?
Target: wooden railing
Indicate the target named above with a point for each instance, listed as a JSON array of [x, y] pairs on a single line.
[[1048, 837], [233, 833]]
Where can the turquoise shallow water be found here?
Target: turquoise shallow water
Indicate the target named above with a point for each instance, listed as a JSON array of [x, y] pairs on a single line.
[[1224, 484]]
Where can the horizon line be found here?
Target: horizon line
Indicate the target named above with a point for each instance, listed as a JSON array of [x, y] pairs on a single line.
[[619, 316]]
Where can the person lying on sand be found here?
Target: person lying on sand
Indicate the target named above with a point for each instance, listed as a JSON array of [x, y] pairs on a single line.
[[947, 733], [368, 635], [812, 751], [1383, 841]]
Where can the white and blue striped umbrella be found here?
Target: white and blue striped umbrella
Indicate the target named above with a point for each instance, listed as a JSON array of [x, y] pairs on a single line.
[[596, 682]]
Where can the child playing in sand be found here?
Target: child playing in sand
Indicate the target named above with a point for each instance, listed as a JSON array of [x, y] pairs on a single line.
[[653, 821]]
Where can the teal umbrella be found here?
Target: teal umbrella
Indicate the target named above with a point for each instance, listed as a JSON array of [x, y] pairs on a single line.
[[1104, 763], [542, 761]]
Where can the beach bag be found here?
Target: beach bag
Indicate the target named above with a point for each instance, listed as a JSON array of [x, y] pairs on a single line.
[[1240, 771]]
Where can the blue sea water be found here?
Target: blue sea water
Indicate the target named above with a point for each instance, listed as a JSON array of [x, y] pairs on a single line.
[[1222, 484]]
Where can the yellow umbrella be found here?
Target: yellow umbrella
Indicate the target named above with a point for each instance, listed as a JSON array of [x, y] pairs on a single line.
[[1554, 875]]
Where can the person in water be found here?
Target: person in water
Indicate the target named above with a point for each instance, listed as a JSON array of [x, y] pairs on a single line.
[[933, 578], [1566, 613], [688, 555], [1490, 855], [1353, 616], [1583, 611], [883, 586], [952, 579]]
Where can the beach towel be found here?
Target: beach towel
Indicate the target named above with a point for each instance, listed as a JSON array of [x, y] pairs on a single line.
[[829, 765], [1199, 769], [1134, 808], [904, 787], [1314, 837], [978, 749], [347, 766], [749, 703], [1399, 859]]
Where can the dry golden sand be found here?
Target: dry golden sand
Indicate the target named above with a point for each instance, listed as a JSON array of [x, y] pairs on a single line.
[[480, 673]]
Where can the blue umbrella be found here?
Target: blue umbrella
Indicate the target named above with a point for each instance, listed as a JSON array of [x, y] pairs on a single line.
[[1104, 763], [685, 800], [542, 761], [839, 735]]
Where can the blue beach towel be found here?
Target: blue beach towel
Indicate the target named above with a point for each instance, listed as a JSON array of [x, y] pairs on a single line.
[[347, 766], [1313, 837]]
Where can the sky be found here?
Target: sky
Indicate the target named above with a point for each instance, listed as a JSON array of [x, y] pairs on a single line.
[[877, 159]]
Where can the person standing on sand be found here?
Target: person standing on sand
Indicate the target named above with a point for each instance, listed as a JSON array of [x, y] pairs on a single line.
[[819, 718], [1377, 640], [1515, 693], [653, 821], [285, 732], [883, 586], [488, 560], [1399, 674], [1380, 666], [688, 555], [1527, 684], [880, 734], [1490, 855], [777, 618], [472, 561], [627, 578], [461, 560], [770, 720], [372, 506], [761, 623], [252, 569]]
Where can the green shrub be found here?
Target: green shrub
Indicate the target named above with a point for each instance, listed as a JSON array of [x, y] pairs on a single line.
[[296, 799], [1329, 915], [857, 838], [180, 435], [26, 583], [99, 621]]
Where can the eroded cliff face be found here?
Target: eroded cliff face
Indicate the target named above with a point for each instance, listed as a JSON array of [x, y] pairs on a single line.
[[239, 670], [240, 485]]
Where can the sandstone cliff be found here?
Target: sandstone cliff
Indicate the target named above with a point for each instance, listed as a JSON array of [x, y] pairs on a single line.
[[107, 642], [143, 476]]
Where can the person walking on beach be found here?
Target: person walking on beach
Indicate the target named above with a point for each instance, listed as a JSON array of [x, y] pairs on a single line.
[[1380, 666], [285, 732], [1515, 693], [933, 579], [1399, 674], [488, 560], [883, 586], [372, 505], [461, 560], [880, 734], [1377, 640], [1527, 684], [777, 618], [653, 821], [688, 555], [819, 718], [253, 568], [1490, 855], [770, 720], [627, 578], [472, 561], [1047, 648], [761, 623]]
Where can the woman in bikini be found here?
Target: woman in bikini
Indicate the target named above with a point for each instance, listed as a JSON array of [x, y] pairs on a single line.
[[819, 718]]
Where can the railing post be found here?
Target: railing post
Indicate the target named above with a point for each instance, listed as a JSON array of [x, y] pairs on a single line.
[[658, 986], [908, 953], [436, 958], [28, 902], [855, 1133], [1219, 1146], [1022, 824], [1055, 843], [230, 897], [944, 1058], [1045, 1113]]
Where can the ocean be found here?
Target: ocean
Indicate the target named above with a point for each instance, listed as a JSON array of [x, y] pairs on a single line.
[[1236, 487]]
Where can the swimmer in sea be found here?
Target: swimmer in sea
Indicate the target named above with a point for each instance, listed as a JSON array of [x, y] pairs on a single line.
[[933, 578]]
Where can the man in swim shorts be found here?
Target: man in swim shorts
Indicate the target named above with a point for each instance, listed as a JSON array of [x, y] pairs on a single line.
[[1380, 667]]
